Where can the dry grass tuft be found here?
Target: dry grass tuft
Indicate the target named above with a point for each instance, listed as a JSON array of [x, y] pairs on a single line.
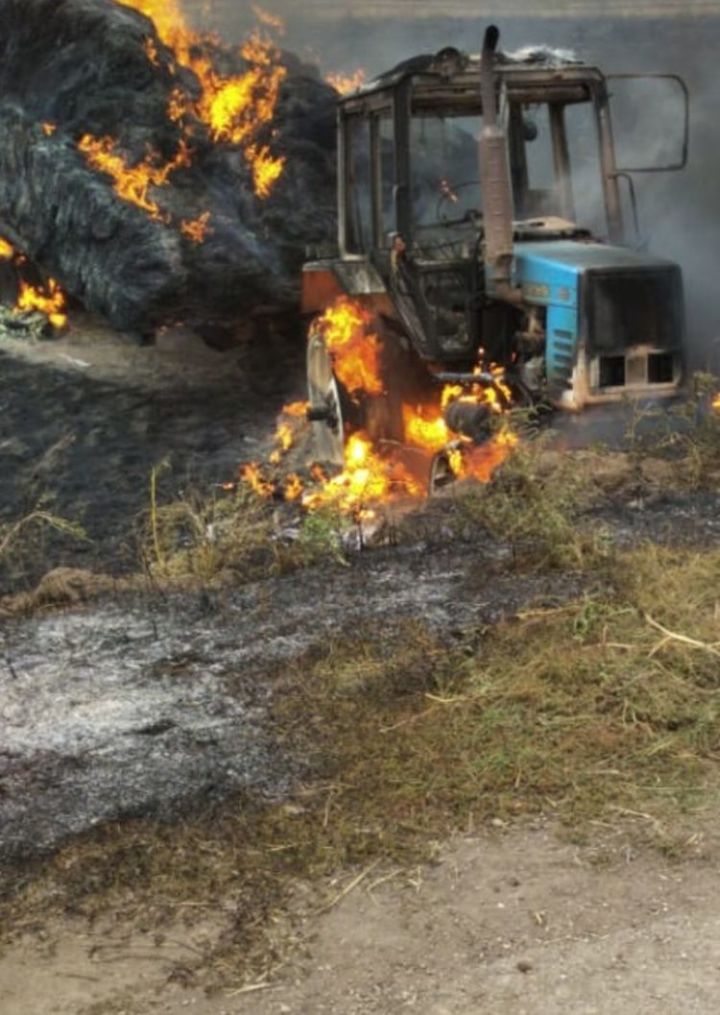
[[231, 537], [13, 535], [686, 433], [534, 504], [63, 586]]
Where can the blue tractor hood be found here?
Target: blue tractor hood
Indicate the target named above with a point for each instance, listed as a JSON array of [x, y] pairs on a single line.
[[554, 264]]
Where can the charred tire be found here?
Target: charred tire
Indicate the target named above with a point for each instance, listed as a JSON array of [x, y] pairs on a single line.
[[334, 413]]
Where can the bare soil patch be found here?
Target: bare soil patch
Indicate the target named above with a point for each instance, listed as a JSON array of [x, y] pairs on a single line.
[[506, 920]]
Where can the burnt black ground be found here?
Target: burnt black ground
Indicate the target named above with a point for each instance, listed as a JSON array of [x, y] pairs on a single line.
[[84, 420]]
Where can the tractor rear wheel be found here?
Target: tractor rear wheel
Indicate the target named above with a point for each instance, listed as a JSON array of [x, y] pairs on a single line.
[[336, 413], [327, 399]]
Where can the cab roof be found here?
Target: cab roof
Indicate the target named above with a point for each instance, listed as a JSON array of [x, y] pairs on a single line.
[[451, 71]]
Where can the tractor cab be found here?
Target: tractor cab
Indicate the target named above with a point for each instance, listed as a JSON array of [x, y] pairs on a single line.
[[483, 215]]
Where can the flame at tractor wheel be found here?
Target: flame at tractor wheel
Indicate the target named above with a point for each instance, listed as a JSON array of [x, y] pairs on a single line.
[[367, 479], [346, 327], [374, 474]]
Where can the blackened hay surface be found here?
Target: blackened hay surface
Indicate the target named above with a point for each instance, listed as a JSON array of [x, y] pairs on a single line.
[[82, 66]]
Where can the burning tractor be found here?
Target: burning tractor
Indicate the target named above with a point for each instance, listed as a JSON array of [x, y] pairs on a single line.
[[486, 251]]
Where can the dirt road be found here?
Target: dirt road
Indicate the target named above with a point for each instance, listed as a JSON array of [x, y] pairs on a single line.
[[508, 922]]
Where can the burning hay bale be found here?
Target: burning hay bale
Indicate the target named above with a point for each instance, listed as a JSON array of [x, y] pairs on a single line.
[[157, 175]]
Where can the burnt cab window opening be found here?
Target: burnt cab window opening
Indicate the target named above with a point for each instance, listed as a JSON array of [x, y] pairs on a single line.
[[583, 141], [555, 166], [370, 176], [445, 187], [359, 184], [387, 225], [555, 163]]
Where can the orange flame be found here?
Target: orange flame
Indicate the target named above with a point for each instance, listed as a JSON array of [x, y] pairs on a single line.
[[165, 14], [716, 403], [347, 83], [49, 300], [131, 183], [6, 250], [151, 51], [178, 105], [284, 439], [197, 229], [480, 461], [266, 168], [252, 475], [49, 128], [355, 350], [425, 428], [296, 409], [293, 487], [286, 434], [370, 474], [234, 109], [367, 478]]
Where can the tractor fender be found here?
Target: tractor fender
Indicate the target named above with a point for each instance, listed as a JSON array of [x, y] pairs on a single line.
[[324, 281]]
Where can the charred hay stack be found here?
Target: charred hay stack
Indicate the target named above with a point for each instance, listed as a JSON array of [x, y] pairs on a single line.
[[82, 77]]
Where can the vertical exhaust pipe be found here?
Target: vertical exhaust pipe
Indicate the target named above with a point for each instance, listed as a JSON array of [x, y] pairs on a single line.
[[497, 198]]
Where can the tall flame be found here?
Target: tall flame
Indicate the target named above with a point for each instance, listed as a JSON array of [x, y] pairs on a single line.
[[355, 349], [235, 108]]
